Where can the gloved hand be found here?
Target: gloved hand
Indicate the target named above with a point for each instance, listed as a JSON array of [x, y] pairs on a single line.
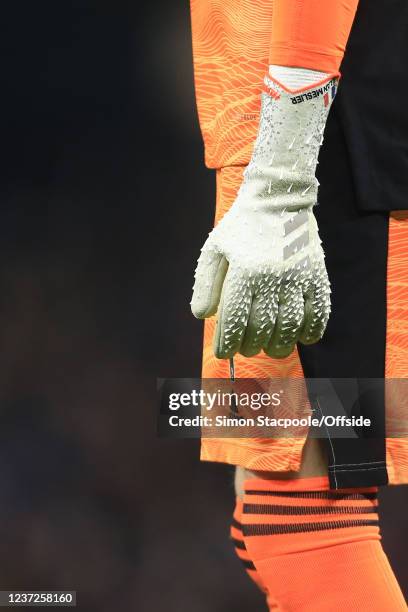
[[263, 265]]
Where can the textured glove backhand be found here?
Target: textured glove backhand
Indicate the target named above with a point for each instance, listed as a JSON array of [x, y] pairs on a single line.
[[263, 266]]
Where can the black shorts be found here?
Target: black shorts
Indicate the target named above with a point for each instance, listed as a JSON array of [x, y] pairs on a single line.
[[353, 347]]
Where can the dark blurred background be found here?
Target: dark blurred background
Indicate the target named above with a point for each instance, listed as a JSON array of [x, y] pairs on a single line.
[[105, 202]]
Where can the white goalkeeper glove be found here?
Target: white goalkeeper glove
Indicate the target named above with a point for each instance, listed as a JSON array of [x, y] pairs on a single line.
[[263, 266]]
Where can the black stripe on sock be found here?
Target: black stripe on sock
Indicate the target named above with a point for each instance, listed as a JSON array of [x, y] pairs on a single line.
[[314, 494], [239, 544], [236, 524], [274, 529], [275, 509], [248, 565]]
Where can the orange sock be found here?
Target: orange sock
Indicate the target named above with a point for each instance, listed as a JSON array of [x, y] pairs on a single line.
[[240, 548], [242, 553], [317, 550]]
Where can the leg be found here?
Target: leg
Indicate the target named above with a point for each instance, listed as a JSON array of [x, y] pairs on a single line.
[[316, 549], [242, 554], [314, 463]]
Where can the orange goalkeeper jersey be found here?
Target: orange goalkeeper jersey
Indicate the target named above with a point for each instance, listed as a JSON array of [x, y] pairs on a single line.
[[234, 42], [230, 51]]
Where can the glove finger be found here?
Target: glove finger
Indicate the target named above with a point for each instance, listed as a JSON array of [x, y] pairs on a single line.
[[288, 322], [233, 313], [209, 278], [317, 309], [261, 322]]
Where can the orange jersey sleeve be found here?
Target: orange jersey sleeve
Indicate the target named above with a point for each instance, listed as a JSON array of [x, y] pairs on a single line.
[[233, 44], [310, 33]]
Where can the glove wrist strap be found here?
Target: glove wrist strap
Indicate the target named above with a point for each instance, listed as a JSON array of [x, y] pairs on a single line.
[[281, 173]]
